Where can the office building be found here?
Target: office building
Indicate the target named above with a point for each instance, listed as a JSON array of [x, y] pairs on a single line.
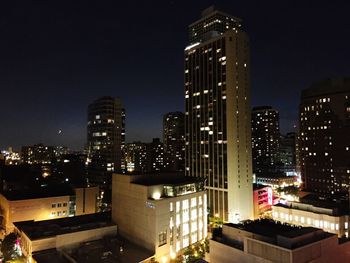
[[269, 241], [38, 154], [265, 139], [276, 181], [287, 154], [324, 143], [155, 156], [217, 117], [105, 138], [44, 203], [163, 214], [136, 157], [312, 211], [61, 235], [174, 141]]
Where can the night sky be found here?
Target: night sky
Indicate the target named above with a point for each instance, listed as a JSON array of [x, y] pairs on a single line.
[[56, 57]]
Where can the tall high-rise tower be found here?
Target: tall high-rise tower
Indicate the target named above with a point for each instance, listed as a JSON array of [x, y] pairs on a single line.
[[324, 144], [265, 138], [105, 138], [217, 117], [174, 141]]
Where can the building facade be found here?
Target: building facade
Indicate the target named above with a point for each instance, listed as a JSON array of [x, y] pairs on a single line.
[[265, 139], [324, 143], [155, 156], [263, 200], [38, 154], [308, 215], [287, 154], [47, 205], [269, 241], [136, 157], [105, 139], [217, 117], [161, 214], [174, 141]]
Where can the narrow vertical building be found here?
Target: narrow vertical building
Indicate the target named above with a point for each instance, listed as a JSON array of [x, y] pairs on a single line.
[[105, 138], [218, 115], [265, 139], [174, 141], [324, 143]]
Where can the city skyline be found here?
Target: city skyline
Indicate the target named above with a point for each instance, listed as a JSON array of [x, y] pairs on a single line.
[[56, 59]]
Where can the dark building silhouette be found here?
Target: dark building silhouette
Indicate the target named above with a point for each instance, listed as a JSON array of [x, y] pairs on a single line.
[[174, 141], [265, 139], [105, 139], [324, 143], [287, 153], [217, 117], [155, 156]]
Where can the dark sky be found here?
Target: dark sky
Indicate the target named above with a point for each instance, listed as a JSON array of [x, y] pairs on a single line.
[[56, 57]]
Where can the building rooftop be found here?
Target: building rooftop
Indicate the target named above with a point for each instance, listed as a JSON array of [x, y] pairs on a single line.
[[108, 250], [281, 234], [259, 186], [50, 255], [315, 204], [39, 192], [272, 228], [166, 179], [48, 228]]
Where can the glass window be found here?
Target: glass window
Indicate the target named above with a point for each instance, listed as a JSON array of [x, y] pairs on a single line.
[[162, 238]]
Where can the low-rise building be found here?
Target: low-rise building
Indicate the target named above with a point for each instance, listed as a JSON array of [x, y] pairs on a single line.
[[162, 213], [330, 216], [270, 241], [47, 203], [263, 199], [276, 181], [62, 233]]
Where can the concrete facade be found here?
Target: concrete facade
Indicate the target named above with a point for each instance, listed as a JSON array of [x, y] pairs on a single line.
[[242, 246], [218, 115], [38, 209], [164, 225], [309, 215]]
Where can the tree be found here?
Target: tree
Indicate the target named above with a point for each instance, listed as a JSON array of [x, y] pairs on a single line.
[[8, 247]]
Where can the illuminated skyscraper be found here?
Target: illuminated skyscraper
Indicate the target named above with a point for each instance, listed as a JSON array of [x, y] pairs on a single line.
[[105, 138], [324, 144], [217, 117], [265, 138], [174, 141]]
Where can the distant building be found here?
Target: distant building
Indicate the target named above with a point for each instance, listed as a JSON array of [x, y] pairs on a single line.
[[265, 139], [38, 154], [136, 157], [163, 214], [217, 117], [11, 157], [328, 215], [47, 203], [155, 156], [287, 154], [174, 141], [105, 138], [276, 181], [325, 136], [269, 241], [70, 168]]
